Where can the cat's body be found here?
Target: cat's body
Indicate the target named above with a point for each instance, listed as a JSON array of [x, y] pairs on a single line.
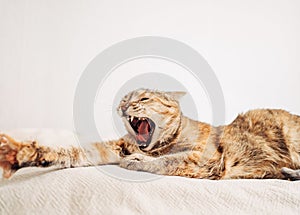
[[160, 140]]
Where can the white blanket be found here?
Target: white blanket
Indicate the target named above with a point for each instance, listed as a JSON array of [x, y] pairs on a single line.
[[92, 190]]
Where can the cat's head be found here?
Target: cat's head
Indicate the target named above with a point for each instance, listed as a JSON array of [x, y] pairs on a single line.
[[151, 117]]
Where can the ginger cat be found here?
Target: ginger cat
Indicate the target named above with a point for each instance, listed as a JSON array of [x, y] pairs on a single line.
[[161, 140]]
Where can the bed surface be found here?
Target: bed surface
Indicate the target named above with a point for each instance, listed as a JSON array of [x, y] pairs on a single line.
[[93, 190]]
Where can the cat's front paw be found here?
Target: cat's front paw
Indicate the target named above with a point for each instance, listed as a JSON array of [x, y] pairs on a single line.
[[136, 161], [15, 155], [8, 154], [139, 157]]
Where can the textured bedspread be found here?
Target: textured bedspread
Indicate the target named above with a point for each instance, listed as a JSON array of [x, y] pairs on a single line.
[[92, 190]]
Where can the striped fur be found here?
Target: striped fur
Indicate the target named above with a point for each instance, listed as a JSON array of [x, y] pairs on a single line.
[[258, 144]]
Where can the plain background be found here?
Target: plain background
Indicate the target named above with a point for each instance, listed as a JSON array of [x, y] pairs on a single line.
[[252, 46]]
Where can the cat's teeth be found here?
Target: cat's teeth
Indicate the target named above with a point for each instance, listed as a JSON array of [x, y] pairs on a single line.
[[131, 118]]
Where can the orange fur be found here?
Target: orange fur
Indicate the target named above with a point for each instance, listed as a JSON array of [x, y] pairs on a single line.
[[257, 144]]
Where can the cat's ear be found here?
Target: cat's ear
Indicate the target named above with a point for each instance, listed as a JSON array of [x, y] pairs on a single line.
[[176, 94]]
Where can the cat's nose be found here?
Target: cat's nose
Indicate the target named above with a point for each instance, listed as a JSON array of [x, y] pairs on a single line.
[[124, 108]]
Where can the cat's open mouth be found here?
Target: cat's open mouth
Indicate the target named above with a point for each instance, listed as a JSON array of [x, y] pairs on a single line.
[[143, 128]]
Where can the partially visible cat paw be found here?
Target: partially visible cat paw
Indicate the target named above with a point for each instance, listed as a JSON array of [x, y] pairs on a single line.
[[135, 161], [14, 154], [291, 174], [139, 157], [8, 153]]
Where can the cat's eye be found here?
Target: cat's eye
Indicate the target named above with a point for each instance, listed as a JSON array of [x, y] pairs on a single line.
[[144, 99]]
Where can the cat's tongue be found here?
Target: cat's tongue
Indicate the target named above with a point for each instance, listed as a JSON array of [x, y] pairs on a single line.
[[143, 131]]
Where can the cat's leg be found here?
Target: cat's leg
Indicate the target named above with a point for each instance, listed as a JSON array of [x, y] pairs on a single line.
[[184, 164], [15, 155], [291, 174]]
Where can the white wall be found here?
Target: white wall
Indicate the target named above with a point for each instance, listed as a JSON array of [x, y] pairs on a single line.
[[253, 47]]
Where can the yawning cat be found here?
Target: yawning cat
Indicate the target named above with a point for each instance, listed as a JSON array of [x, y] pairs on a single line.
[[161, 140]]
